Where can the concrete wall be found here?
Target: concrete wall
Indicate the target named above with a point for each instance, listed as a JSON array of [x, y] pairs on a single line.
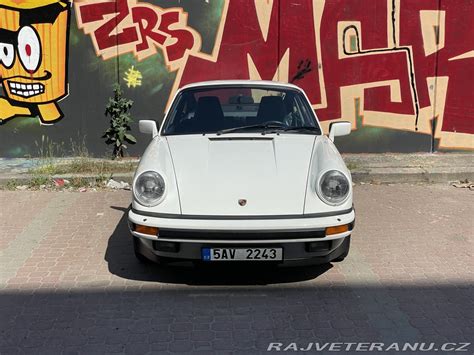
[[400, 70]]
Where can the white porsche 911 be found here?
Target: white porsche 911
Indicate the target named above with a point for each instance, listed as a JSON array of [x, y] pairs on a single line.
[[241, 171]]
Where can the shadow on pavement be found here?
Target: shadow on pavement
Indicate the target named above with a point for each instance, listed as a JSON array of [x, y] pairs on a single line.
[[218, 320], [131, 318], [122, 262]]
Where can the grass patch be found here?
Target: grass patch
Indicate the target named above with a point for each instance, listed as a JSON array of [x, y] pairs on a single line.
[[81, 171], [352, 166], [78, 182], [11, 185], [38, 180], [85, 166]]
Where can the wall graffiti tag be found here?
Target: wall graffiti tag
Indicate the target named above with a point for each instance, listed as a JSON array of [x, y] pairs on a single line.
[[33, 58], [399, 65], [121, 26], [133, 77], [394, 58]]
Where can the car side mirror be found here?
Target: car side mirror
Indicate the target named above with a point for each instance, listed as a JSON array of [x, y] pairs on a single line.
[[337, 129], [148, 127]]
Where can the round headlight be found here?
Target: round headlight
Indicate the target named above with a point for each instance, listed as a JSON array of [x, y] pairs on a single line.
[[333, 187], [149, 188]]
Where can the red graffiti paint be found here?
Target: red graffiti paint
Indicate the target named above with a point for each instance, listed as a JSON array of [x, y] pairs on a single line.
[[136, 27], [238, 46], [459, 107], [388, 48], [106, 34], [371, 66], [28, 50], [403, 64]]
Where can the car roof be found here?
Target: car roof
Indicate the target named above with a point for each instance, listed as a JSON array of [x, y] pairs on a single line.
[[263, 83]]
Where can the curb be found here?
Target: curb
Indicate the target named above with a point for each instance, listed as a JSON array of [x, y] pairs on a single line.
[[412, 175], [376, 168], [373, 175], [26, 178]]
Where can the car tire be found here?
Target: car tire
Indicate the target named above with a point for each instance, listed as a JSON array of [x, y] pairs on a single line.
[[345, 246]]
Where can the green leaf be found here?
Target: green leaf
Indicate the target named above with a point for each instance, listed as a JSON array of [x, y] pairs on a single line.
[[130, 138]]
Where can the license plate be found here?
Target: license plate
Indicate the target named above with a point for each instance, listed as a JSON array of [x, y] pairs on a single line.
[[246, 254]]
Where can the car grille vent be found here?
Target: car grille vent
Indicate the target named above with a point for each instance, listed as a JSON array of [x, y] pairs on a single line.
[[171, 234]]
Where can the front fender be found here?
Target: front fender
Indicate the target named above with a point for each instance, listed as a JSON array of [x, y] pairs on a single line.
[[325, 157], [157, 157]]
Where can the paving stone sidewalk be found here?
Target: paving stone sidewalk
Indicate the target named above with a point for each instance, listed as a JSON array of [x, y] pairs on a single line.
[[69, 282]]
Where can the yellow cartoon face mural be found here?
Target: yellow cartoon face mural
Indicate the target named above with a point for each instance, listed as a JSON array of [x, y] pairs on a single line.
[[33, 58]]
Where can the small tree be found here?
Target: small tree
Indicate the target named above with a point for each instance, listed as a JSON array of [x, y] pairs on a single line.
[[120, 119]]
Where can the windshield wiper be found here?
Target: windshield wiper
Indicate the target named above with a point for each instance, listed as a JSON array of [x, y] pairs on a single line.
[[252, 127], [301, 129]]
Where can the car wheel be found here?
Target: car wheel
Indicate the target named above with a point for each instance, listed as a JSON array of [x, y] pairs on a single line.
[[345, 249]]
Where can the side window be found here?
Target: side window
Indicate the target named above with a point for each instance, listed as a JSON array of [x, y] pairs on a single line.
[[294, 116], [187, 108], [177, 114], [306, 117], [180, 111]]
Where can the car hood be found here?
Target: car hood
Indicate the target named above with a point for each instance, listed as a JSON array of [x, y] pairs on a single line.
[[213, 173]]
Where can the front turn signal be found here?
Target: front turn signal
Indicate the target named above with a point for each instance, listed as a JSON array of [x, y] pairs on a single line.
[[337, 229], [146, 230]]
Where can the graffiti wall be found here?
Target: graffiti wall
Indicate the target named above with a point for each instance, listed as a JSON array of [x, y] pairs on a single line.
[[400, 70], [33, 58]]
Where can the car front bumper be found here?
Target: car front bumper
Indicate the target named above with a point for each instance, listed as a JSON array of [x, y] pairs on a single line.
[[292, 233]]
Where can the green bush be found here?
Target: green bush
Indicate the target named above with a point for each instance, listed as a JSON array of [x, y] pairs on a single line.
[[117, 134]]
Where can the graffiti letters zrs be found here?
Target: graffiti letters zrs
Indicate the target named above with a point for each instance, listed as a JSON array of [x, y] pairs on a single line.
[[33, 58], [122, 26], [407, 63]]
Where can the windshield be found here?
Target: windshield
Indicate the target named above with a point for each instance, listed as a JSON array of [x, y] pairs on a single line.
[[237, 109]]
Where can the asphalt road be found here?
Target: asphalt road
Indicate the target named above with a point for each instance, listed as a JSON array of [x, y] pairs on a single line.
[[69, 282]]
